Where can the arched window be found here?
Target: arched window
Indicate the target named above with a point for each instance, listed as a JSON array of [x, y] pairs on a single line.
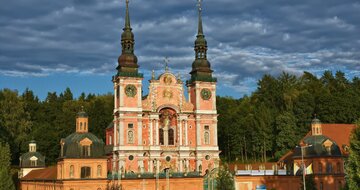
[[329, 168], [80, 125], [320, 168], [84, 125], [171, 136], [340, 185], [85, 172], [207, 137], [338, 168], [99, 171], [321, 186], [161, 136], [130, 137], [71, 171]]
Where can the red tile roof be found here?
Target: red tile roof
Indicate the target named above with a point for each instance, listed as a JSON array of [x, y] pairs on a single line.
[[49, 173]]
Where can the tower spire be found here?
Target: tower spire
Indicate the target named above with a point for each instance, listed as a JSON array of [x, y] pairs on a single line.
[[201, 68], [127, 60], [127, 17], [200, 27]]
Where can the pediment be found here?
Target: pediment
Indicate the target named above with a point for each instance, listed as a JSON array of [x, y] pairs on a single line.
[[328, 143], [85, 142]]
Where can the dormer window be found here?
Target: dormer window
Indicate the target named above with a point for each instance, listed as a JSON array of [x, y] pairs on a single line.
[[33, 163], [85, 151]]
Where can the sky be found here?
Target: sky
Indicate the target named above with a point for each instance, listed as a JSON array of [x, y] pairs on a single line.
[[47, 45]]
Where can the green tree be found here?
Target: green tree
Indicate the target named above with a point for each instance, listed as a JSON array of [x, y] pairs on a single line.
[[286, 137], [224, 180], [353, 163], [6, 182], [14, 120]]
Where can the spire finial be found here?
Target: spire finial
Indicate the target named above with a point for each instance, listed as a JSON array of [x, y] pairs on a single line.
[[127, 17], [200, 28], [166, 61]]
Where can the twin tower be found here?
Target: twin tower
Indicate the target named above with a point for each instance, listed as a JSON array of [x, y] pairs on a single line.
[[163, 130]]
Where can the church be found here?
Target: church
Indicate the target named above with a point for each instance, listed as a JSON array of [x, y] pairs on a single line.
[[163, 130]]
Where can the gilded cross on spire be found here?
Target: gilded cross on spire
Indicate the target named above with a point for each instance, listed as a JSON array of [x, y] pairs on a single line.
[[166, 61]]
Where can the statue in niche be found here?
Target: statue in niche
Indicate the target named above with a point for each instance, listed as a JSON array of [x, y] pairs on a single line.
[[167, 121]]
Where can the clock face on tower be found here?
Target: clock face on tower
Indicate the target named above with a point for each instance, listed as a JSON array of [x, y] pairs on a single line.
[[130, 90], [205, 94]]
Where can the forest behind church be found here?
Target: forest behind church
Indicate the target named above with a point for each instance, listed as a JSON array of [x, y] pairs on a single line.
[[262, 126]]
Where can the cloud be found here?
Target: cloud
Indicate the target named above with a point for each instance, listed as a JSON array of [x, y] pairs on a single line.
[[246, 38]]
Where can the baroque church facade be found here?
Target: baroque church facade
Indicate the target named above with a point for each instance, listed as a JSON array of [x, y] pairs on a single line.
[[164, 130]]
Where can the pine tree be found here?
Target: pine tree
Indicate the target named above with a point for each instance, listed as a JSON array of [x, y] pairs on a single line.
[[353, 165], [6, 182], [225, 180]]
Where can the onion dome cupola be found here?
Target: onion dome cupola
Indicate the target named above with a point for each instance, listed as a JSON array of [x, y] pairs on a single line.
[[318, 146], [82, 144], [32, 159], [127, 61], [201, 67]]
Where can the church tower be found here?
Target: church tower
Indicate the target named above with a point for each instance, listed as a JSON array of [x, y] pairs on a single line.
[[127, 97], [202, 94]]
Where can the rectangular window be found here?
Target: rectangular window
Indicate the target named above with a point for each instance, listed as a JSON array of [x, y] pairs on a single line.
[[118, 91], [206, 127], [130, 125]]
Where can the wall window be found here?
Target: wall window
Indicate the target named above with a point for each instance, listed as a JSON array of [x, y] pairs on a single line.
[[117, 91], [130, 136], [338, 168], [320, 168], [85, 126], [130, 126], [161, 136], [340, 185], [71, 171], [207, 137], [321, 186], [85, 172], [329, 168], [171, 136], [85, 151], [98, 171], [206, 127], [80, 125]]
